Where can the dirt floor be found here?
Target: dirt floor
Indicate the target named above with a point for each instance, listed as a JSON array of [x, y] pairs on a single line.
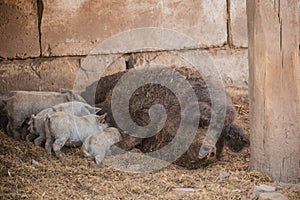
[[27, 172]]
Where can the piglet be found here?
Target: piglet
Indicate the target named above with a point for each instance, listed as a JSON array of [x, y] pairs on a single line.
[[36, 122], [63, 128], [98, 145]]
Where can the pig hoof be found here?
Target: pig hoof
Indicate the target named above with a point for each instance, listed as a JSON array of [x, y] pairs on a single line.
[[59, 154], [37, 143], [27, 138]]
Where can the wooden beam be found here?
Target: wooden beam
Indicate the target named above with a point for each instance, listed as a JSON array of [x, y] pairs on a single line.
[[274, 85]]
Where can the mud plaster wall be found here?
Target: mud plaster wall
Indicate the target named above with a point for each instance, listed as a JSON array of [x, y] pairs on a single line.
[[44, 43]]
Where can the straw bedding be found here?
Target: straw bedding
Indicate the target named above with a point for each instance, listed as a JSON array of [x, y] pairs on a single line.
[[27, 172]]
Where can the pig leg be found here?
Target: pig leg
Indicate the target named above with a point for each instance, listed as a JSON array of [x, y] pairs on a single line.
[[39, 140], [16, 134], [108, 152], [24, 132], [8, 128], [30, 137], [49, 138], [86, 153], [73, 144], [16, 125], [48, 145], [220, 146], [12, 130], [57, 145], [99, 158]]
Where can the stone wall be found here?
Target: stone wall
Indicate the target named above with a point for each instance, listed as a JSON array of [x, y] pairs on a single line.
[[44, 43]]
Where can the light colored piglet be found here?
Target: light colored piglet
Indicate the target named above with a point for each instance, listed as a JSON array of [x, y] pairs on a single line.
[[62, 128], [36, 123], [22, 104], [98, 145], [37, 128]]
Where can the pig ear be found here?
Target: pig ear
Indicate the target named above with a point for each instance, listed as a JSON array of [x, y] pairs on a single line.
[[69, 93], [72, 96], [97, 109], [101, 118], [77, 97], [63, 90], [104, 115]]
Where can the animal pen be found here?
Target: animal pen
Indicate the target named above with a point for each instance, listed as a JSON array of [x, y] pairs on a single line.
[[149, 100]]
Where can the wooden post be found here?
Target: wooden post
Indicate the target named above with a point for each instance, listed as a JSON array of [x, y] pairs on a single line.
[[274, 87]]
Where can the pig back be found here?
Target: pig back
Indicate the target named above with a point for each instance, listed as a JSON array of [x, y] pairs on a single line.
[[82, 127], [23, 103], [75, 108]]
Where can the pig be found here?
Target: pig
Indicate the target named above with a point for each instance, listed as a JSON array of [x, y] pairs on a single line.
[[99, 144], [22, 104], [36, 127], [3, 113], [62, 128], [148, 95], [36, 123]]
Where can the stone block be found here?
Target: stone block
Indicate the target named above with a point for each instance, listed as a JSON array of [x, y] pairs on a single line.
[[58, 73], [272, 196], [265, 192], [118, 65], [232, 65], [229, 66], [164, 59], [38, 74], [238, 23], [92, 68], [76, 27], [18, 75], [19, 29], [204, 21]]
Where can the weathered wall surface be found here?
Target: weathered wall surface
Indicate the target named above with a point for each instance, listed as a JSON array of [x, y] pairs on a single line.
[[19, 29], [238, 23], [45, 42], [84, 24], [38, 74]]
